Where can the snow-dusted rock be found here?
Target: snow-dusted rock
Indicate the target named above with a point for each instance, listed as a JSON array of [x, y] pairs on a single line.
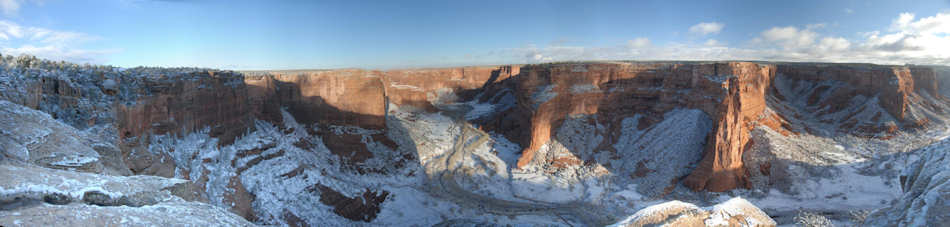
[[735, 212], [36, 196], [176, 213], [926, 198], [33, 136]]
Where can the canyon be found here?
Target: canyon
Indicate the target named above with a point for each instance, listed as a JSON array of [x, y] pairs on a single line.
[[573, 143]]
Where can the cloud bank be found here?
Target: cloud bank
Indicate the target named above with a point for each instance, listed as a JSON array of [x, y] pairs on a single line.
[[47, 43], [908, 40]]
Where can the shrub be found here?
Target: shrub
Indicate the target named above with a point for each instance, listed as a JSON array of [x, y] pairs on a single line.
[[858, 216], [809, 219]]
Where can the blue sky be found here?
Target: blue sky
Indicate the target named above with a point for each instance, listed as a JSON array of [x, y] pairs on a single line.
[[402, 34]]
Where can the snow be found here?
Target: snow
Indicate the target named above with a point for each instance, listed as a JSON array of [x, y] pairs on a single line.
[[76, 160], [579, 68], [37, 181], [32, 135], [175, 212], [584, 88], [506, 150], [941, 135], [723, 212], [109, 84], [664, 208], [414, 206], [200, 145], [537, 186], [543, 95], [718, 215], [396, 85], [482, 109], [923, 201], [581, 134], [667, 148], [846, 191], [276, 194], [719, 78]]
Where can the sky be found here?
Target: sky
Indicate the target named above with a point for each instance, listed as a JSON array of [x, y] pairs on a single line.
[[245, 35]]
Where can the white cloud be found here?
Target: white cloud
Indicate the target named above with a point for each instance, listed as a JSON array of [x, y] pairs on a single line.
[[910, 40], [938, 24], [848, 10], [924, 41], [639, 42], [815, 26], [10, 7], [47, 43], [833, 44], [706, 28], [789, 38], [902, 20], [60, 53]]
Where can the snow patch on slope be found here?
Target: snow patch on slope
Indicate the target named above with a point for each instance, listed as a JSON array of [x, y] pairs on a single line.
[[37, 181], [663, 151]]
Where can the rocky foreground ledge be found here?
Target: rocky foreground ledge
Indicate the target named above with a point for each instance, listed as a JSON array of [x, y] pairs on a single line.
[[735, 212], [74, 189]]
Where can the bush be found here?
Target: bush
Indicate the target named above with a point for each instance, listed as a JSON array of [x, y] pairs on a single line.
[[858, 216], [809, 219]]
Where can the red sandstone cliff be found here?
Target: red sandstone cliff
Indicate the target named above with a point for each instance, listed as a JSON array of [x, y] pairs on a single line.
[[186, 104], [721, 168], [360, 97], [733, 94]]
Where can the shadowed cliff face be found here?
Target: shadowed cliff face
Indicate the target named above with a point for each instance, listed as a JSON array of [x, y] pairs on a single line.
[[185, 104]]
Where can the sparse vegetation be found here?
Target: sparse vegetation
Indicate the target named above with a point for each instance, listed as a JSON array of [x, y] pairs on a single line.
[[858, 216], [810, 219]]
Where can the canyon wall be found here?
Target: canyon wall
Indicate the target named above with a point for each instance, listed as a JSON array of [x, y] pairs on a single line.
[[361, 97], [732, 94], [896, 87], [735, 95], [185, 104]]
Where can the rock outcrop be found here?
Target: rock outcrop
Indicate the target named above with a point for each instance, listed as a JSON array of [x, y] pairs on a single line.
[[735, 212], [721, 168], [31, 136], [31, 195], [926, 191], [53, 175]]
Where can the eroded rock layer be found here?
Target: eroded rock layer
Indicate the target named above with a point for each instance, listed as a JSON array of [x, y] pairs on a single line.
[[236, 135], [733, 94]]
